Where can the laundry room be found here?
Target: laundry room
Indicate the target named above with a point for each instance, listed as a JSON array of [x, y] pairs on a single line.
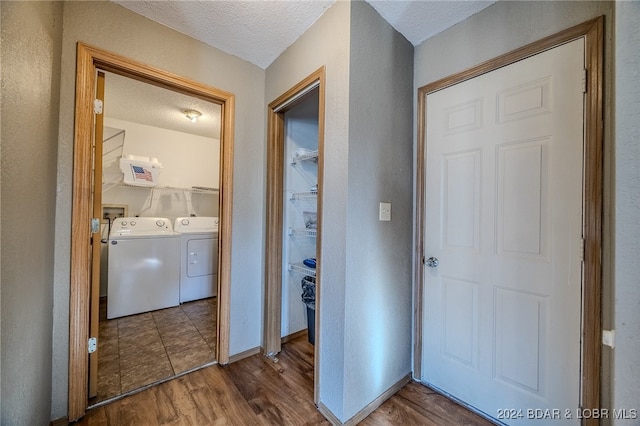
[[158, 258]]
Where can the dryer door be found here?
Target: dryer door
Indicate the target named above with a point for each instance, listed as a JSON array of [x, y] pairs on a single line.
[[202, 257]]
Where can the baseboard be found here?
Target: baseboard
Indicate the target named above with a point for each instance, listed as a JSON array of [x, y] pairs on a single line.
[[373, 405], [245, 354], [62, 421], [328, 415], [295, 335]]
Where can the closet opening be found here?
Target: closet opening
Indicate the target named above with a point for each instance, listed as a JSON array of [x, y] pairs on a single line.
[[294, 207]]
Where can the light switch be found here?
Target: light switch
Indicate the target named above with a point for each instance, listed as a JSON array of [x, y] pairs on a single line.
[[385, 211]]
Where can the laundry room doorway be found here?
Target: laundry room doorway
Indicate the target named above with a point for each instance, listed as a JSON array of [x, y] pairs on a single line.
[[156, 323], [162, 146]]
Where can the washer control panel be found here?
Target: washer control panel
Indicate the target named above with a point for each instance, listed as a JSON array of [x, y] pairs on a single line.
[[141, 226]]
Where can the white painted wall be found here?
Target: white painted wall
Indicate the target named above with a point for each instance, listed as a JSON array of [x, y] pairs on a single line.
[[626, 374], [187, 160], [31, 43], [114, 28]]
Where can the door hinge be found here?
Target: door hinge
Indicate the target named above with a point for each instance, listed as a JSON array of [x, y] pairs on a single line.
[[609, 338], [581, 249], [93, 344], [97, 106], [95, 225], [584, 81]]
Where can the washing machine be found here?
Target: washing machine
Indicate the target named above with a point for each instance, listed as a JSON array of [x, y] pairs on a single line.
[[198, 257], [144, 268]]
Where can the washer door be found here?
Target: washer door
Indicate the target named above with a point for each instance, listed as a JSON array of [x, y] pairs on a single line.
[[144, 275]]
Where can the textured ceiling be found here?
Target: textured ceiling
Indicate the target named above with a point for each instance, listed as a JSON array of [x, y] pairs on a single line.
[[258, 31], [422, 19]]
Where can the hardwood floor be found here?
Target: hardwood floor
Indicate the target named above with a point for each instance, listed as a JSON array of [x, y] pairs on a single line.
[[257, 391]]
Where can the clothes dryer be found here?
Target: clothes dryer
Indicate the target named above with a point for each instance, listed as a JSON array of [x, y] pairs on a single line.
[[198, 257], [144, 269]]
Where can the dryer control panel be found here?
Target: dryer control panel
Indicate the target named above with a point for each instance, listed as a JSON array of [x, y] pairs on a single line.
[[196, 224]]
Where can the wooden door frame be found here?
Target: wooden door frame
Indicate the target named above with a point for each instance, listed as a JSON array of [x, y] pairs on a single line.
[[89, 60], [274, 217], [592, 32]]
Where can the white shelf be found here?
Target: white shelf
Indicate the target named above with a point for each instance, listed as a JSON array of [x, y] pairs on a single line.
[[303, 232], [309, 156], [302, 268], [195, 190], [304, 195]]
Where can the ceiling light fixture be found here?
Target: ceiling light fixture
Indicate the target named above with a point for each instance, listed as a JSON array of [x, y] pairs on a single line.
[[192, 115]]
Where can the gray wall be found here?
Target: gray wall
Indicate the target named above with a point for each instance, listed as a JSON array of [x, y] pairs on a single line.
[[31, 43], [378, 284], [498, 29], [626, 374], [326, 43], [114, 28], [365, 301]]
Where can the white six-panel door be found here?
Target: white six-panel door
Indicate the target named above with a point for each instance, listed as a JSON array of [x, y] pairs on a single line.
[[503, 216]]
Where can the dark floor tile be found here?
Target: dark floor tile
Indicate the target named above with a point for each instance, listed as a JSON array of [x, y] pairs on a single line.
[[145, 374], [203, 319], [191, 358], [168, 317], [147, 354], [175, 330], [108, 348], [142, 349], [136, 342], [177, 342], [209, 334], [108, 385], [135, 324], [108, 363], [205, 306]]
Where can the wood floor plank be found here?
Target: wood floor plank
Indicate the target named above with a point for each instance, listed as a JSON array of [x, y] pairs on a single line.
[[430, 406], [395, 411], [269, 395], [257, 391], [225, 396]]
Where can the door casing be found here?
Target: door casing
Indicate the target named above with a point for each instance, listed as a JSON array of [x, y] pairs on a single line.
[[89, 60], [274, 207], [593, 33]]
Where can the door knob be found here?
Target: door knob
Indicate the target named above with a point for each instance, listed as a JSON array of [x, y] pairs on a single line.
[[432, 262]]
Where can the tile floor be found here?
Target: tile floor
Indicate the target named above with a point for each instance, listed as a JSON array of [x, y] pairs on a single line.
[[142, 349]]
